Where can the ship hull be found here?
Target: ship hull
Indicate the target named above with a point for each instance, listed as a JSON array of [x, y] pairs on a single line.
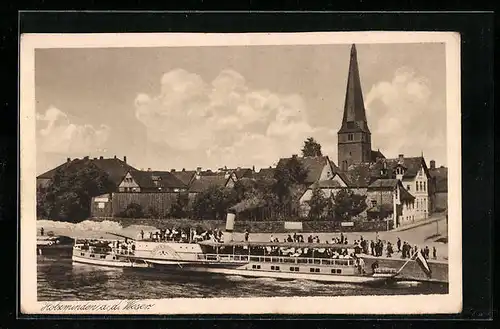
[[203, 269], [107, 262]]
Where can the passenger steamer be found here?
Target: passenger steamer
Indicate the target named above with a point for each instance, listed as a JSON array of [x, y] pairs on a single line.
[[280, 260]]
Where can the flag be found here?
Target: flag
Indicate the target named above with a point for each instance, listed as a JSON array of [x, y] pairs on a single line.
[[422, 262]]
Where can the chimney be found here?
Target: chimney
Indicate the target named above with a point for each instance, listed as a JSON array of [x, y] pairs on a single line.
[[68, 159], [86, 158], [149, 169], [125, 159], [198, 170], [183, 169], [401, 158], [101, 157], [433, 164], [253, 168], [115, 156], [172, 170], [294, 156]]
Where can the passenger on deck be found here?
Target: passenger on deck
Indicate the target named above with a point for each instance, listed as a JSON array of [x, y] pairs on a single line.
[[289, 238], [310, 239], [246, 235]]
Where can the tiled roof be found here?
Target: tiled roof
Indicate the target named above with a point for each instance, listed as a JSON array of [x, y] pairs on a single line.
[[364, 174], [405, 195], [184, 176], [165, 179], [313, 165], [113, 167], [264, 173], [384, 183], [376, 155], [204, 182], [326, 184], [243, 172]]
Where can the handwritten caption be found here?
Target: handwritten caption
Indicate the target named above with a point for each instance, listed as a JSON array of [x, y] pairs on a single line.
[[130, 305]]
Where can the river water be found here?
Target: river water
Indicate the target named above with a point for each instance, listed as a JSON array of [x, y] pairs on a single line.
[[60, 280]]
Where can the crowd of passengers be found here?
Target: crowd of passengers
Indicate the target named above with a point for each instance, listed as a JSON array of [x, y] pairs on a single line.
[[183, 235], [99, 245]]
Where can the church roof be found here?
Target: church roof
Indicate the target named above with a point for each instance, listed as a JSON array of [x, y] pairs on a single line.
[[354, 118]]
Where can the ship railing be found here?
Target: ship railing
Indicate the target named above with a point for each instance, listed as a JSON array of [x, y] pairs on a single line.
[[275, 259]]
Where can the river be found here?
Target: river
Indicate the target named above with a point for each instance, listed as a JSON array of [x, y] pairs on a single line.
[[60, 280]]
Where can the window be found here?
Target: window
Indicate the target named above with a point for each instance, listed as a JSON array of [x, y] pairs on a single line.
[[103, 256], [292, 269], [92, 255], [350, 137], [339, 271], [424, 186], [100, 205], [408, 187], [416, 186], [311, 270], [257, 267], [374, 203], [82, 254], [316, 270]]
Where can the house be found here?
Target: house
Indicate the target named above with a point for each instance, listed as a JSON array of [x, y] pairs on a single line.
[[151, 181], [114, 168], [318, 168], [264, 173], [202, 182], [440, 183], [185, 176], [387, 198]]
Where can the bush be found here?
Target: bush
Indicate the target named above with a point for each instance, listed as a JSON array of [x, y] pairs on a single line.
[[133, 210]]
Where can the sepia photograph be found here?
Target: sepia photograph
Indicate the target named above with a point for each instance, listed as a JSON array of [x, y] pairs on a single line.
[[240, 173]]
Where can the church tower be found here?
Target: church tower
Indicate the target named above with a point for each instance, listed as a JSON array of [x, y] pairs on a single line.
[[354, 137]]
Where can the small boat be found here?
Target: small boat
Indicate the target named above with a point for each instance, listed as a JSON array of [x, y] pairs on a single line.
[[47, 245]]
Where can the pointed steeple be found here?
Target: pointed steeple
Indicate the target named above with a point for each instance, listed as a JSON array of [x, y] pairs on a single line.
[[354, 107]]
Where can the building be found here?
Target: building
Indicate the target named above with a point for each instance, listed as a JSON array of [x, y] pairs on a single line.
[[354, 136], [151, 181], [400, 189], [203, 182], [114, 168], [318, 168], [440, 182]]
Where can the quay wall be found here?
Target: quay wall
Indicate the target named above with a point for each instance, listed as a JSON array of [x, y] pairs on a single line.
[[252, 226]]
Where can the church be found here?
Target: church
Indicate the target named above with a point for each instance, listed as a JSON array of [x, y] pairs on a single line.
[[399, 190]]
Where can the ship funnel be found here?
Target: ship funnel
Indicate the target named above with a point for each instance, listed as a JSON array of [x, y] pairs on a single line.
[[229, 227]]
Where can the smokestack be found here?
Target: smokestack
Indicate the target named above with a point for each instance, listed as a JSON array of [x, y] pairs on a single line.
[[433, 164], [125, 159], [68, 159]]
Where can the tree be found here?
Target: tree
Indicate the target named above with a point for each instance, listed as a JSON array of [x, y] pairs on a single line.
[[318, 204], [213, 203], [311, 148], [347, 204], [179, 209], [68, 196], [287, 175]]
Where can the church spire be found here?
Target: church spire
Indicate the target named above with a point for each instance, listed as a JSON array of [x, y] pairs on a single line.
[[354, 107]]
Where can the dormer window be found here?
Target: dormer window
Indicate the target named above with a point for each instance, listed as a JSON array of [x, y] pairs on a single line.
[[399, 171]]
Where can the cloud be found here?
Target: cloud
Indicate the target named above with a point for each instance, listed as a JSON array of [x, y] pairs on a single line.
[[405, 117], [224, 121], [59, 135]]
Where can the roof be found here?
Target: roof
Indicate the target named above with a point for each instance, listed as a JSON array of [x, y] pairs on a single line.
[[264, 173], [330, 183], [313, 165], [242, 172], [384, 183], [165, 179], [204, 182], [185, 176], [405, 195], [354, 118], [113, 167], [376, 155], [364, 174]]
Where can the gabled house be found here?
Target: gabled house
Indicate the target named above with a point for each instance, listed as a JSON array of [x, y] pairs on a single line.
[[114, 168], [439, 178], [318, 168], [201, 183], [151, 181]]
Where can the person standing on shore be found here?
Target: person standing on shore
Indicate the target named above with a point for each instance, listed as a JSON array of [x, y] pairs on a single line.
[[246, 235], [434, 252], [372, 247], [399, 244], [41, 231]]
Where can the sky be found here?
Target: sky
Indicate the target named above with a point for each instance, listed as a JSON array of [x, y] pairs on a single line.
[[234, 106]]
